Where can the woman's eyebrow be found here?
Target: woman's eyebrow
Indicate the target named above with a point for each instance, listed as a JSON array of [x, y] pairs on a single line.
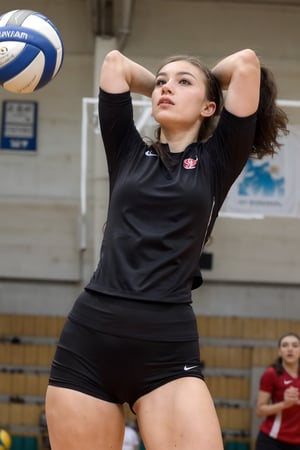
[[177, 73]]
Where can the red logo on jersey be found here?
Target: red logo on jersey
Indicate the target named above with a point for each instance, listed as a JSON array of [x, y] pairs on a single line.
[[190, 163]]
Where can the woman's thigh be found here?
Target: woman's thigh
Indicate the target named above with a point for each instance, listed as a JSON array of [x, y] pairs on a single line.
[[179, 414], [76, 421]]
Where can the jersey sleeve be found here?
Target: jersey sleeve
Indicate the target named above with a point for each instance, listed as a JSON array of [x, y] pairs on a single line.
[[230, 146], [116, 124], [267, 380]]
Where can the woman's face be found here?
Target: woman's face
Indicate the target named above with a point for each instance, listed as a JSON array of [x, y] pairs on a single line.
[[289, 350], [179, 96]]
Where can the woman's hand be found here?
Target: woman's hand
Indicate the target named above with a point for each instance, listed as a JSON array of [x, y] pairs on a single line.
[[291, 397]]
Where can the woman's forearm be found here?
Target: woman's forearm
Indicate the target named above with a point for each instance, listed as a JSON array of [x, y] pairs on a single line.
[[271, 409], [227, 67], [239, 75], [120, 73]]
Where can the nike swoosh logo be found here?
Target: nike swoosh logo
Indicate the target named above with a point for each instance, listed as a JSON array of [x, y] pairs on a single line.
[[189, 367], [287, 381], [149, 153]]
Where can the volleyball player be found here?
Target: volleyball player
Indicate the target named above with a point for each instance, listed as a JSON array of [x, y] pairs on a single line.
[[278, 400], [131, 336]]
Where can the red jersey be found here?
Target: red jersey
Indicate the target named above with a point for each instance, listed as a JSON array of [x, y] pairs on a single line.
[[284, 426]]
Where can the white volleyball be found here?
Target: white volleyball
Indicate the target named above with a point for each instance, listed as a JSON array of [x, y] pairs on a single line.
[[31, 51]]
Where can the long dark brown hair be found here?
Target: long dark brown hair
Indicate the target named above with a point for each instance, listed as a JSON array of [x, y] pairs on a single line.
[[277, 364], [271, 120]]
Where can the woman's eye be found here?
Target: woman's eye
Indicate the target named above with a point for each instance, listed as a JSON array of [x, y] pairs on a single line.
[[185, 82], [159, 82]]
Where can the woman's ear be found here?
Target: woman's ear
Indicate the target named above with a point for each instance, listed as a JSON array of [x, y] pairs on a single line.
[[208, 109]]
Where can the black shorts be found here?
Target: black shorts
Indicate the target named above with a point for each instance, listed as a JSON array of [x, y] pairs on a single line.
[[265, 442], [120, 369]]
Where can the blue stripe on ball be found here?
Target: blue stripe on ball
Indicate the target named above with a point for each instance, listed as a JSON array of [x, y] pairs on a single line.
[[19, 63], [35, 39]]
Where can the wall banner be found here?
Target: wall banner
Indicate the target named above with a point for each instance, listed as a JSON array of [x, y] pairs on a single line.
[[269, 186], [19, 125]]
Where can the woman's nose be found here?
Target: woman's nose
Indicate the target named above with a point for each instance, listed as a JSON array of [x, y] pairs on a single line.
[[166, 87]]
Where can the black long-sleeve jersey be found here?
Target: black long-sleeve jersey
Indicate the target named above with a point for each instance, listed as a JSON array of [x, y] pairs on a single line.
[[161, 212]]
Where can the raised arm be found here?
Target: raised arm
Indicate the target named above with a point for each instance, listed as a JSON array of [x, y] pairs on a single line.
[[239, 75], [120, 74]]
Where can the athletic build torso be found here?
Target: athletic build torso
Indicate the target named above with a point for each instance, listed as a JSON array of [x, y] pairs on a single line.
[[161, 211]]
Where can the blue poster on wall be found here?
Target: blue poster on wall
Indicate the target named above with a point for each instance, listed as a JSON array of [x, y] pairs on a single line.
[[269, 186], [19, 125]]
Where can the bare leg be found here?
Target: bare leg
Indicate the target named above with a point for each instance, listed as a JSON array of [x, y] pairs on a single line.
[[179, 415], [77, 421]]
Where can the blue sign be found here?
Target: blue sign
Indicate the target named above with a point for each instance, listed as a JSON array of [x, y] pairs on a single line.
[[19, 125], [261, 179]]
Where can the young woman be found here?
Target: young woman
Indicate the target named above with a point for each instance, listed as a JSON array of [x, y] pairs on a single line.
[[279, 399], [131, 335]]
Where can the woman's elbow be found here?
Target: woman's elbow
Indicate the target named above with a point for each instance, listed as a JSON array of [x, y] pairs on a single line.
[[249, 58], [113, 72], [113, 57]]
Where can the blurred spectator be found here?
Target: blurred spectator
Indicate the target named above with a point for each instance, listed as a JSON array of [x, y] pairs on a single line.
[[131, 438]]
